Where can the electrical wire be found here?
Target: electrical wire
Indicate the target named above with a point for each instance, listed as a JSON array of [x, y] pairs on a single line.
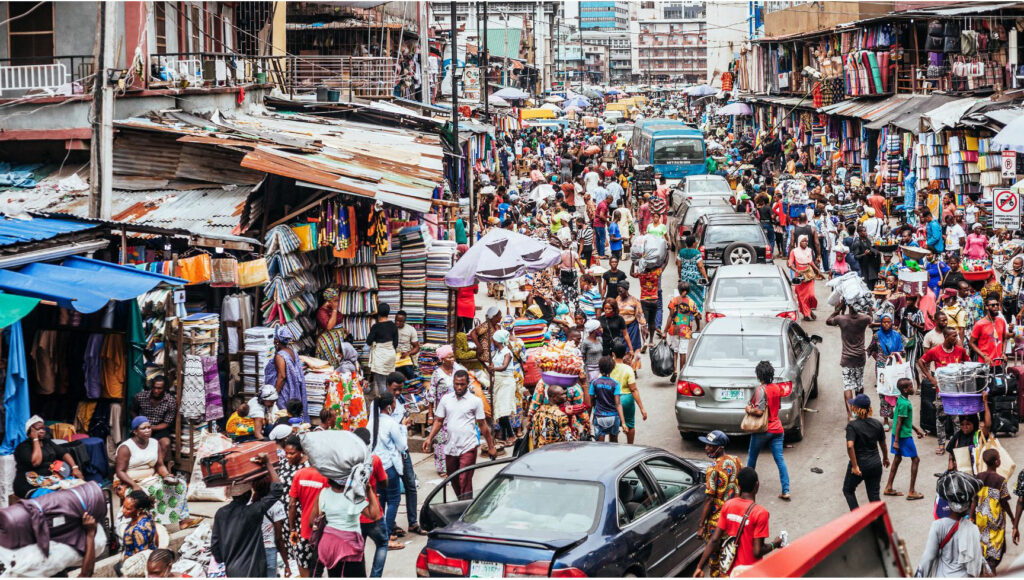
[[22, 15]]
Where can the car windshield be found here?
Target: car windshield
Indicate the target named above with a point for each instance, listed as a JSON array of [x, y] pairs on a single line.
[[718, 350], [707, 186], [727, 234], [746, 289], [693, 214], [678, 150], [534, 505]]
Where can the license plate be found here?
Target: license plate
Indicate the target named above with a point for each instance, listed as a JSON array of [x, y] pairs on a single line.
[[486, 569], [730, 394]]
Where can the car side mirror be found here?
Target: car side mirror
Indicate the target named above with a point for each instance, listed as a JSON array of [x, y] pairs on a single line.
[[814, 338]]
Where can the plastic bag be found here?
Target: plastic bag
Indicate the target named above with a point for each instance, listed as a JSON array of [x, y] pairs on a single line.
[[662, 360], [196, 269], [208, 444], [1006, 463], [896, 368], [649, 252]]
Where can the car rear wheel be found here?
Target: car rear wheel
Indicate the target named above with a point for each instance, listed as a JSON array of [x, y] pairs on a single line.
[[796, 434], [739, 253]]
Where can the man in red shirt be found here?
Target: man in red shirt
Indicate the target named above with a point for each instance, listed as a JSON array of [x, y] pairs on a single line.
[[752, 545], [936, 357], [878, 203], [600, 225], [306, 487], [990, 333]]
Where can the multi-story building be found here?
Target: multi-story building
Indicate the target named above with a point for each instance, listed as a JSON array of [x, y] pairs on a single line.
[[605, 15], [595, 63], [670, 42], [619, 45]]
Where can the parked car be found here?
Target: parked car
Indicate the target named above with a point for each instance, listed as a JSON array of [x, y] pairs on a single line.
[[718, 379], [736, 238], [699, 208], [579, 509], [751, 290]]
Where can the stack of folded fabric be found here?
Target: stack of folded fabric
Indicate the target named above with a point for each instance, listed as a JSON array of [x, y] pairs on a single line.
[[389, 276], [261, 340], [414, 275], [531, 332], [439, 262]]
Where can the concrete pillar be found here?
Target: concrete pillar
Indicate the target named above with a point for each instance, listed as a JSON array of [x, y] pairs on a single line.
[[136, 41]]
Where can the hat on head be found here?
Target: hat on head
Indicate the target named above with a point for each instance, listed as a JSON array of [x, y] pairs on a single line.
[[32, 421], [268, 393], [976, 225], [949, 293], [501, 336], [716, 438], [283, 335], [139, 421], [861, 401], [280, 432]]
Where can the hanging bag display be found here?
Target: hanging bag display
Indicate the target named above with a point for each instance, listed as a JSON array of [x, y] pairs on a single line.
[[196, 269], [253, 273], [225, 273]]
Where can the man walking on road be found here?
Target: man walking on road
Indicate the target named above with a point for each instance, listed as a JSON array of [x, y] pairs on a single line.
[[461, 413], [852, 327], [720, 485]]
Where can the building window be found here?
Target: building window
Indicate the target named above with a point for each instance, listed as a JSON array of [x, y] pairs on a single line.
[[30, 32], [160, 24]]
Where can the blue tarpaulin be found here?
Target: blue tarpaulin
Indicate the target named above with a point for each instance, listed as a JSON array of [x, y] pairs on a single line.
[[16, 231], [16, 405], [82, 284]]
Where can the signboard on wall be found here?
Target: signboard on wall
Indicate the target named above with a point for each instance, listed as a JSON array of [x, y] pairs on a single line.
[[1009, 164], [1005, 209]]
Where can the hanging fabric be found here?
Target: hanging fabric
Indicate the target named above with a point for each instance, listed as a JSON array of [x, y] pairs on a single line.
[[193, 390]]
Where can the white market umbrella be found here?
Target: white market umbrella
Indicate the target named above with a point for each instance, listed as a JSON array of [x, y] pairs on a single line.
[[1011, 138], [497, 101], [512, 94], [501, 255], [553, 99], [551, 107]]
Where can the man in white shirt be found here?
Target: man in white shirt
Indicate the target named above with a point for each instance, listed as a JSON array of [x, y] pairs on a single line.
[[591, 180], [408, 346], [461, 413], [615, 193], [955, 235]]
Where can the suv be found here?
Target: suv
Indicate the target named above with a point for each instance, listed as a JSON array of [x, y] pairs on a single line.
[[727, 239]]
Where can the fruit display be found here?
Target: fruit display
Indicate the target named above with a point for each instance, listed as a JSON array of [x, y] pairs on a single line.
[[560, 357], [975, 265]]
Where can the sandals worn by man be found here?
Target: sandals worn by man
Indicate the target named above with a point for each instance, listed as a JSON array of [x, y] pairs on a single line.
[[892, 493]]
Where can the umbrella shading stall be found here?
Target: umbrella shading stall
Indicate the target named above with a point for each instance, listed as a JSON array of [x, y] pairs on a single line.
[[551, 107], [701, 91], [577, 102], [735, 110], [501, 255], [497, 101], [592, 94], [1011, 138], [553, 99], [512, 94]]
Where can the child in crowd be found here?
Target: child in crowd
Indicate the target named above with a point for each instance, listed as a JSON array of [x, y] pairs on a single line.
[[606, 394], [903, 440], [240, 426]]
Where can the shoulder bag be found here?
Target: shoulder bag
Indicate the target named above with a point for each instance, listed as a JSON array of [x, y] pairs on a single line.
[[730, 545], [754, 423]]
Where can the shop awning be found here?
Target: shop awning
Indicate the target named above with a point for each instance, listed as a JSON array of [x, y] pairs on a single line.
[[14, 308], [867, 109], [81, 284], [909, 111], [948, 115]]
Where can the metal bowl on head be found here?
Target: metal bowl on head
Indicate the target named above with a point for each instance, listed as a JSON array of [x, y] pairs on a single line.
[[560, 379], [915, 253]]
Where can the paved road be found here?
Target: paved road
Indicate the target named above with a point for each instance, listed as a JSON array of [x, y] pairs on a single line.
[[817, 498]]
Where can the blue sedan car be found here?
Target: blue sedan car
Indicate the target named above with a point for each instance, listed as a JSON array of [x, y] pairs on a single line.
[[569, 510]]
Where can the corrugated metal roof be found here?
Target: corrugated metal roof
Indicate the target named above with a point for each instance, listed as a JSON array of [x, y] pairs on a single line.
[[867, 109], [503, 42], [18, 231], [212, 212]]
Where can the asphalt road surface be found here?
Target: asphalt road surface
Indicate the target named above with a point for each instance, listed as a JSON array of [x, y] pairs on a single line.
[[816, 497]]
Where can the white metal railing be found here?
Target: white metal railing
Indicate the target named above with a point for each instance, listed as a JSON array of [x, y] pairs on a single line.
[[43, 77], [355, 76]]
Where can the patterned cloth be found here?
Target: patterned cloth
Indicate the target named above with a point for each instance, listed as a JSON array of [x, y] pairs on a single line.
[[721, 487], [689, 271], [345, 396], [294, 381], [550, 425], [140, 537], [574, 400], [990, 517]]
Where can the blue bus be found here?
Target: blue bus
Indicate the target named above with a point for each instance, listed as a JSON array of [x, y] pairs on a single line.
[[674, 148]]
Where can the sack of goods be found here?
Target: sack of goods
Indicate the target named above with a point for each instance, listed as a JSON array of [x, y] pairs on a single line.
[[913, 283], [336, 454], [850, 287], [649, 252], [236, 465], [54, 517]]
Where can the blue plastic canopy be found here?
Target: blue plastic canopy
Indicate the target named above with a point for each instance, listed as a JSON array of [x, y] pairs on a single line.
[[82, 284]]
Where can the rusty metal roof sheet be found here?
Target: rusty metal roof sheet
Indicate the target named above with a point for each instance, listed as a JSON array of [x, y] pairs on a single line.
[[212, 212]]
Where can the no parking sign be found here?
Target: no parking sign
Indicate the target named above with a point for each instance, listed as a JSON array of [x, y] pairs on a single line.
[[1005, 209]]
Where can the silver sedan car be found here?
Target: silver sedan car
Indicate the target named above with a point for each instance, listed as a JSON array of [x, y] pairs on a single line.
[[718, 379], [751, 290]]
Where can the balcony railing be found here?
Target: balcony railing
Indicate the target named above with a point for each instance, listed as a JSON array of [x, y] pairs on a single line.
[[194, 69], [65, 75], [355, 76]]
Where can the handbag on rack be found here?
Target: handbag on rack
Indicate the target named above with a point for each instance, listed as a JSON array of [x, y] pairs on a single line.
[[196, 269], [253, 273], [225, 273]]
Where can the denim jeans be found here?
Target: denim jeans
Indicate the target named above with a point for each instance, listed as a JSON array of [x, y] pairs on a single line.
[[409, 483], [769, 233], [375, 531], [394, 497], [600, 233], [271, 562], [757, 442]]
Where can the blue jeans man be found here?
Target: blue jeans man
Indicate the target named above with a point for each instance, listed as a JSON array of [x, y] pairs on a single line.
[[600, 235], [409, 483], [376, 532], [394, 497], [758, 441]]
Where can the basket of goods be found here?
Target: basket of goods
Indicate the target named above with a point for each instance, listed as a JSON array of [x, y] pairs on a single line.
[[886, 244], [915, 253], [976, 270], [960, 386], [560, 364]]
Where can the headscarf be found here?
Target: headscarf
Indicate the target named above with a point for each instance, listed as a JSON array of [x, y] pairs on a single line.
[[445, 351], [280, 432], [501, 336], [32, 421], [890, 341], [590, 326], [138, 422], [268, 393], [349, 358], [283, 335], [330, 294], [958, 489]]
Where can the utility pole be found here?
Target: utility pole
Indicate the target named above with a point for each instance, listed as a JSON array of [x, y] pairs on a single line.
[[486, 67], [455, 112], [579, 27], [101, 146], [425, 88]]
